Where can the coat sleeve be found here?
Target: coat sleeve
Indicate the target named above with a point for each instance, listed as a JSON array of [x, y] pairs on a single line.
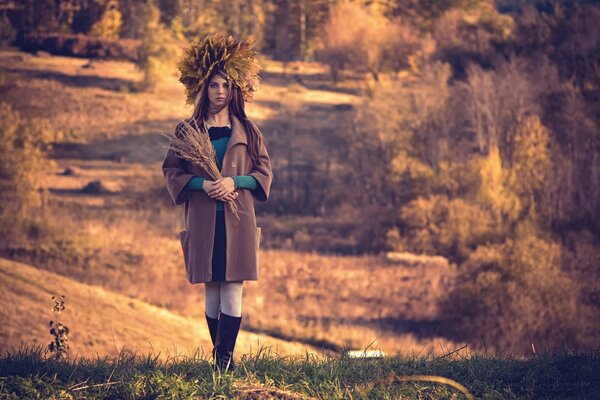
[[176, 176], [263, 175]]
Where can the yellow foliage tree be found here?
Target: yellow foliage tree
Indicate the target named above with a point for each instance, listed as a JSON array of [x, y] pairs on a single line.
[[531, 163], [361, 37], [160, 46], [23, 145], [494, 191]]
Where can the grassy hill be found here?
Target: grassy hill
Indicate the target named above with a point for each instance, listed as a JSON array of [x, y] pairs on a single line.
[[103, 322]]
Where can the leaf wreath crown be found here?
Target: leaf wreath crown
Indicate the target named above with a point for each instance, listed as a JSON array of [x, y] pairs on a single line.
[[237, 58]]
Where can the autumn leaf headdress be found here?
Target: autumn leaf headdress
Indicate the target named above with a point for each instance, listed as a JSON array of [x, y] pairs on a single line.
[[236, 58]]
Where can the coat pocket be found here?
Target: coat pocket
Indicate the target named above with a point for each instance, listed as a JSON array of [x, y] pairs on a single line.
[[184, 239]]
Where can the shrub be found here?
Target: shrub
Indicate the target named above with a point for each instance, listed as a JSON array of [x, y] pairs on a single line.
[[437, 225], [7, 32], [513, 295], [465, 227], [582, 252], [109, 24], [82, 46], [420, 221]]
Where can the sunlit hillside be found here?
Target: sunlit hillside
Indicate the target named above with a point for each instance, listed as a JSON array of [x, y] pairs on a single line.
[[102, 322]]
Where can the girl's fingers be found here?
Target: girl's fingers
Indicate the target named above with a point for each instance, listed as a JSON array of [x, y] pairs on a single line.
[[215, 190], [228, 197], [220, 192]]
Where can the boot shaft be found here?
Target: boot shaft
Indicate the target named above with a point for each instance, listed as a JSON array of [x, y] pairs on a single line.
[[213, 326], [227, 332]]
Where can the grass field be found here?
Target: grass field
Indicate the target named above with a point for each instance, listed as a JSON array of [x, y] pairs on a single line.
[[26, 373]]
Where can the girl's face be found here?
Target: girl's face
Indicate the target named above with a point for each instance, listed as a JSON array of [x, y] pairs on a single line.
[[218, 90]]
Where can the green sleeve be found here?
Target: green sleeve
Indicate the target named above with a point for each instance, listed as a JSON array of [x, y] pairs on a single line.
[[195, 183], [244, 182]]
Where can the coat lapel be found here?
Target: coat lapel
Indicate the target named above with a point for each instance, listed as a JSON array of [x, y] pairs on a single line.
[[238, 134]]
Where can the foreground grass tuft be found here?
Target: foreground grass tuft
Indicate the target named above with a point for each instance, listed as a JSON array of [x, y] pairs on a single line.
[[27, 373]]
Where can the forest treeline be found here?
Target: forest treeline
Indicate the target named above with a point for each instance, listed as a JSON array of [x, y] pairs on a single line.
[[478, 137], [487, 151]]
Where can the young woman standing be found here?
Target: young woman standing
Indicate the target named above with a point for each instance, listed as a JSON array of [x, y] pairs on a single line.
[[220, 249]]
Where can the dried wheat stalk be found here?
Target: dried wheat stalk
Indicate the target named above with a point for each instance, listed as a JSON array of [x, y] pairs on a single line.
[[194, 145]]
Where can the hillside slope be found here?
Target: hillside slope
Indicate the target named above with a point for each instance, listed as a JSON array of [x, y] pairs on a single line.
[[122, 234], [102, 322]]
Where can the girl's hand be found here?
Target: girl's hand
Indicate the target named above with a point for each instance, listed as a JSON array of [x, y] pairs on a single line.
[[222, 189], [229, 197]]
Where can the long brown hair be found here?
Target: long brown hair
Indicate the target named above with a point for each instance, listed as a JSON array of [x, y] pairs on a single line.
[[235, 101]]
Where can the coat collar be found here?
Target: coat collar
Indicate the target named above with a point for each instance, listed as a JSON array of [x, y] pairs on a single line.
[[238, 133]]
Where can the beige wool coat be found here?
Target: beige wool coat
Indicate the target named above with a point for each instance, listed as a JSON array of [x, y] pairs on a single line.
[[243, 236]]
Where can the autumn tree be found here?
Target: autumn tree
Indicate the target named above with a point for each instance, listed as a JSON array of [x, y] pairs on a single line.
[[135, 16], [362, 38], [24, 145], [496, 99], [494, 190], [158, 50], [531, 164]]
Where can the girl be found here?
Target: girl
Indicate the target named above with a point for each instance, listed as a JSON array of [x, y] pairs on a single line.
[[220, 249]]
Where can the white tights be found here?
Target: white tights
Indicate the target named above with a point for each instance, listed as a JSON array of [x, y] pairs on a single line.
[[223, 296]]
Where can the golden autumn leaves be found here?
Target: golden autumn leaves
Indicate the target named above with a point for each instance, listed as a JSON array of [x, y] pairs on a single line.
[[236, 58]]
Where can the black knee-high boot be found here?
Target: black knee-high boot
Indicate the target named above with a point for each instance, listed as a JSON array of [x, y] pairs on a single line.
[[229, 327], [213, 327]]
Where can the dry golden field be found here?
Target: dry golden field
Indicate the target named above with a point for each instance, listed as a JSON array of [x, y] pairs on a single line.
[[102, 322], [111, 246]]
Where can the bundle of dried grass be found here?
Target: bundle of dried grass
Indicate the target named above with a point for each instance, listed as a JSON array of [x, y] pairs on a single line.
[[194, 146]]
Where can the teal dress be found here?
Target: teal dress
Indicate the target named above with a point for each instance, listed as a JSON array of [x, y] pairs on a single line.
[[219, 137]]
